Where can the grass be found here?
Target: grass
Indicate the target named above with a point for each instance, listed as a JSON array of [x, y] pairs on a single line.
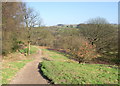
[[56, 56], [74, 73], [13, 63], [33, 49], [60, 72], [9, 69]]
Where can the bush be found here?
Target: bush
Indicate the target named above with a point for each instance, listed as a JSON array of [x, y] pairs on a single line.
[[84, 52], [25, 50]]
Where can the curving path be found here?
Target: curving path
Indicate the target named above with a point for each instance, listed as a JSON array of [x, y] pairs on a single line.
[[29, 74]]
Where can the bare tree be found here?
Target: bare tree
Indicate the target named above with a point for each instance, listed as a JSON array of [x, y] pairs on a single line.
[[104, 35], [97, 20], [31, 20]]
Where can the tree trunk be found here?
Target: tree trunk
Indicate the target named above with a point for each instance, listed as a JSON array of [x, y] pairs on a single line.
[[28, 48]]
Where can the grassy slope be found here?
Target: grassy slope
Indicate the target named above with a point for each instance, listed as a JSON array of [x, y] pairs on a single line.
[[55, 55], [10, 68], [73, 73]]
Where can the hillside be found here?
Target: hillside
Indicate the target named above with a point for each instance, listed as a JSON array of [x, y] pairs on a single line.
[[61, 70]]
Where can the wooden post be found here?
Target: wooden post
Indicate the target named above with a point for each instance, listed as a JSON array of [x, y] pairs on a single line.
[[29, 48]]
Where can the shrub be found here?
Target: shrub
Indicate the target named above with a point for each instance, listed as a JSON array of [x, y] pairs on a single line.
[[85, 52], [25, 50], [82, 51]]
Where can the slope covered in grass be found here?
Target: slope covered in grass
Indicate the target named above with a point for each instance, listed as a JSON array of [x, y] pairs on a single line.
[[55, 55], [74, 73], [65, 72]]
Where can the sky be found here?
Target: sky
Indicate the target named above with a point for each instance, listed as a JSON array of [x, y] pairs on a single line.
[[53, 13]]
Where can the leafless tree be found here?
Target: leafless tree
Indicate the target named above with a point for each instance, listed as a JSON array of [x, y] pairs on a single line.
[[31, 20], [97, 20]]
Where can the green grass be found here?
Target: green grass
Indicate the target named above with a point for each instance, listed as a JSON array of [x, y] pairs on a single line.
[[9, 69], [33, 49], [74, 73], [60, 72], [56, 56]]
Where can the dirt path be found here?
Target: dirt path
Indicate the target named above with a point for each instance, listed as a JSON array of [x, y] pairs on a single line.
[[29, 74]]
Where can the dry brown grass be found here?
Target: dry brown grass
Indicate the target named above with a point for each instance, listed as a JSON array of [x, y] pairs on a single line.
[[16, 57]]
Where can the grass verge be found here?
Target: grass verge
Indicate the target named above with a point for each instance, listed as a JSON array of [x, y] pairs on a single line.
[[9, 69], [14, 62]]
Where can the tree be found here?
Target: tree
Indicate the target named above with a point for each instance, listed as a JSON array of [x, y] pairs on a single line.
[[11, 23], [82, 50], [31, 20], [97, 20], [42, 37], [16, 16], [104, 35]]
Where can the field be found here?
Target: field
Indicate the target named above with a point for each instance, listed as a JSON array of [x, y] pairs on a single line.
[[68, 72]]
